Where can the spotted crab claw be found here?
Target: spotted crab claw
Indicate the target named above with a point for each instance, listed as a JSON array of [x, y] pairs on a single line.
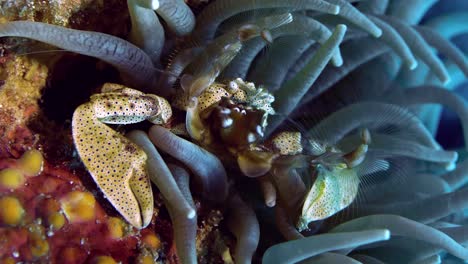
[[117, 165]]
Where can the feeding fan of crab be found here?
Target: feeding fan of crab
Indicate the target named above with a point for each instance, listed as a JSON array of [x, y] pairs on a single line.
[[365, 165]]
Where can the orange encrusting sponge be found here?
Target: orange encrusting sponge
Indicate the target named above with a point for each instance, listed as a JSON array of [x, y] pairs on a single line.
[[104, 260]]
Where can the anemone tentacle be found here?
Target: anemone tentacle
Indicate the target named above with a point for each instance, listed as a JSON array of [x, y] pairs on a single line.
[[410, 13], [356, 53], [289, 95], [300, 249], [400, 226], [394, 40], [214, 14], [205, 165], [147, 32], [185, 230], [420, 47], [244, 225], [133, 63], [178, 16], [181, 210]]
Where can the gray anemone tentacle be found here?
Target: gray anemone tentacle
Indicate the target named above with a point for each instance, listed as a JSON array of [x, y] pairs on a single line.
[[420, 47], [449, 25], [177, 15], [290, 94], [203, 164], [430, 94], [300, 249], [425, 210], [185, 232], [458, 177], [181, 210], [355, 17], [400, 226], [217, 12], [356, 52], [398, 44], [445, 47], [133, 63], [366, 259], [284, 224], [243, 223], [373, 6], [371, 115], [410, 12], [147, 32], [326, 258]]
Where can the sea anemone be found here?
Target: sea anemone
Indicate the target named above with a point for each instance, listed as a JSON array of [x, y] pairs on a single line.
[[337, 130]]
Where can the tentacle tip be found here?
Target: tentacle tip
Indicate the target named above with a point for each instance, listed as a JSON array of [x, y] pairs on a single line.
[[335, 10], [450, 166], [377, 32], [341, 27], [337, 62], [191, 214], [446, 80], [386, 234], [412, 64], [271, 203], [154, 4]]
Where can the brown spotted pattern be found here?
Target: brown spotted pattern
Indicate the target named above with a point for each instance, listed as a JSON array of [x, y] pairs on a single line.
[[288, 143], [118, 104]]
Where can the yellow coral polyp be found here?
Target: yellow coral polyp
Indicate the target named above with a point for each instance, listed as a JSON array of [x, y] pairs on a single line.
[[152, 241], [11, 178], [31, 163], [116, 227], [11, 211], [104, 260], [38, 245], [79, 206], [145, 259], [8, 260], [56, 220]]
